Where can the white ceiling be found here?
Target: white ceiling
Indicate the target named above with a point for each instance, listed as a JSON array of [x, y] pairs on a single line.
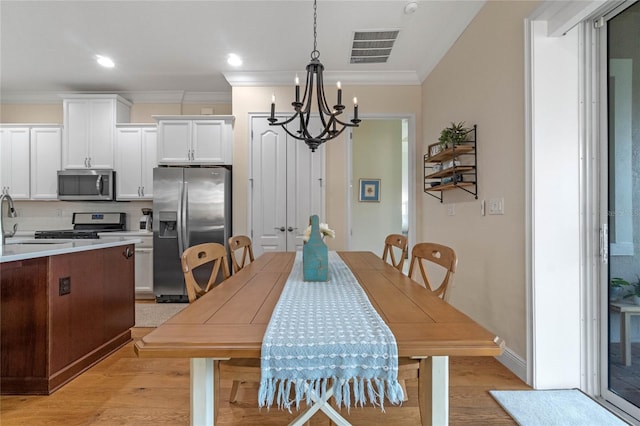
[[180, 47]]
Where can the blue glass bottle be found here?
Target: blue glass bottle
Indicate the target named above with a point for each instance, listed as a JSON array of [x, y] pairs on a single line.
[[315, 255]]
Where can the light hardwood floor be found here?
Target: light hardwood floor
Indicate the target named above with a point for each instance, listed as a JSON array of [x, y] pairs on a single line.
[[126, 390]]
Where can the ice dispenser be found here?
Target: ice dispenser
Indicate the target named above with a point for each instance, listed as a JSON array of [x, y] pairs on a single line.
[[168, 225]]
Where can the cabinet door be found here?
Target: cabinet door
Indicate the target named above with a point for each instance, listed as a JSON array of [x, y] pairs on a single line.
[[118, 289], [144, 273], [149, 161], [128, 158], [174, 142], [101, 133], [76, 134], [209, 141], [46, 147], [14, 160]]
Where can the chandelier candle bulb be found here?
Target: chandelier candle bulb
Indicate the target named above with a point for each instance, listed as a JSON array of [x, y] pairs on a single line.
[[339, 93], [297, 89], [355, 108], [273, 106]]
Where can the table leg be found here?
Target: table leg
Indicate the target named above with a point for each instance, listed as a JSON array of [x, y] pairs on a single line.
[[625, 338], [320, 404], [205, 386], [433, 391]]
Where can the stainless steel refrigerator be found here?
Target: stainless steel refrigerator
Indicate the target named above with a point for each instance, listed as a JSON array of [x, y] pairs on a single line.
[[190, 206]]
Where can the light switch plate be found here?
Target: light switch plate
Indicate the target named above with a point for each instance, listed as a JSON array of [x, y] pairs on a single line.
[[451, 210], [496, 206]]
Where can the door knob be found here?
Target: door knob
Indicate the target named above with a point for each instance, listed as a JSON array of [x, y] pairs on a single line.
[[281, 229], [291, 229]]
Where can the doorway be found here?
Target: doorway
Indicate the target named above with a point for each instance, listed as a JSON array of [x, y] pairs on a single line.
[[620, 71], [380, 150]]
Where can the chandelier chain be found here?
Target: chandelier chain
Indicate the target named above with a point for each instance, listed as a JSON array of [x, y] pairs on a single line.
[[315, 54]]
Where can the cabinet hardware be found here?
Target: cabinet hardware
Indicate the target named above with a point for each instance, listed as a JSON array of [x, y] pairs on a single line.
[[128, 253]]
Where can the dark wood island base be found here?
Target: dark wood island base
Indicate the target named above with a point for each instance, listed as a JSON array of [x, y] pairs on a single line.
[[62, 314]]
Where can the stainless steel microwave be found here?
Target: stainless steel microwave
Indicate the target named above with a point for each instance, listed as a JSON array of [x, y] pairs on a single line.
[[86, 185]]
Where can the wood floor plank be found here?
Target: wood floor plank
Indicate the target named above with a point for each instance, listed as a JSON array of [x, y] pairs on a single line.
[[127, 390]]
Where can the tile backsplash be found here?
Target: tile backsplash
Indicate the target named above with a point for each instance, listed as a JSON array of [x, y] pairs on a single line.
[[54, 215]]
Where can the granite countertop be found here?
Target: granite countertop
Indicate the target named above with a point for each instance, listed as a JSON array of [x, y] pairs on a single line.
[[137, 233], [29, 248]]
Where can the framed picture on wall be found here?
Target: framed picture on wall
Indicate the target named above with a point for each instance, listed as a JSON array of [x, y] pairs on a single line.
[[369, 190]]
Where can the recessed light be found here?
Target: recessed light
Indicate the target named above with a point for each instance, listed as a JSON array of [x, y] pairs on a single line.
[[234, 60], [104, 61]]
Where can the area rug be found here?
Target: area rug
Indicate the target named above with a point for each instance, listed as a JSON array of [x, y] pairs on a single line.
[[554, 408], [154, 314]]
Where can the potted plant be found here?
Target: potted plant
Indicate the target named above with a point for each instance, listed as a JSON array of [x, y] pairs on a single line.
[[635, 294], [455, 134], [616, 286]]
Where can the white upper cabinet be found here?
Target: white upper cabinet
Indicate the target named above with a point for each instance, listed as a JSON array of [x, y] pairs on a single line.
[[30, 160], [89, 130], [14, 162], [195, 140], [46, 157], [135, 160]]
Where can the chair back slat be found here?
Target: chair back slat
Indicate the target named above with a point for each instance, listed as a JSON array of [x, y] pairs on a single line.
[[401, 243], [440, 255], [236, 243], [198, 255]]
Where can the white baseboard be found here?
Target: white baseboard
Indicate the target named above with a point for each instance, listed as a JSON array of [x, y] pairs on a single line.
[[515, 363]]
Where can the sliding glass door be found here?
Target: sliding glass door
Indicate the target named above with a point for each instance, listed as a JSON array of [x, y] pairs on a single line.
[[620, 47]]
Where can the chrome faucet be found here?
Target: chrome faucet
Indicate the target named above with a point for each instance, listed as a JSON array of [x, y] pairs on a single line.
[[11, 211]]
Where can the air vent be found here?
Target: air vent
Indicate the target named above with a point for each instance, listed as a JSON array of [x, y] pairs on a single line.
[[372, 47]]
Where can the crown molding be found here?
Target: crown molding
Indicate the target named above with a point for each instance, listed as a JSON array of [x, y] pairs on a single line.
[[286, 78], [141, 97]]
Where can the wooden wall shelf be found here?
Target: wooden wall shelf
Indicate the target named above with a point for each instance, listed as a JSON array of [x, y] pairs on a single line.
[[463, 176]]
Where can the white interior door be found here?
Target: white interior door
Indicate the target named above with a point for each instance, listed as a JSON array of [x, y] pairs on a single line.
[[287, 187]]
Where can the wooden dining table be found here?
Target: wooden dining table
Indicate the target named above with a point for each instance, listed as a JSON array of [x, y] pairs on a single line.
[[231, 319]]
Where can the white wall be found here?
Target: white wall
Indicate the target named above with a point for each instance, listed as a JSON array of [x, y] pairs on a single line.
[[556, 240]]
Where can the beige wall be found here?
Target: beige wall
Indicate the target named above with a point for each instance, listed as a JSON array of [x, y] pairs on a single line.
[[373, 101], [481, 81], [31, 113]]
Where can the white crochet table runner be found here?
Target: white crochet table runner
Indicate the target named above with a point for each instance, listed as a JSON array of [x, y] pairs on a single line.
[[327, 334]]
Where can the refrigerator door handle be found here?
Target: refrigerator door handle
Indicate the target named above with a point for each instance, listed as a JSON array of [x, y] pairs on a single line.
[[185, 213], [180, 220]]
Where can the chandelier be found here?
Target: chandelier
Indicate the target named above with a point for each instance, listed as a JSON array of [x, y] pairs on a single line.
[[332, 126]]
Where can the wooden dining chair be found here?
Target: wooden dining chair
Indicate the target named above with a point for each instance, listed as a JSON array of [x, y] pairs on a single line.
[[446, 258], [240, 242], [197, 256], [239, 370], [392, 242], [440, 255]]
